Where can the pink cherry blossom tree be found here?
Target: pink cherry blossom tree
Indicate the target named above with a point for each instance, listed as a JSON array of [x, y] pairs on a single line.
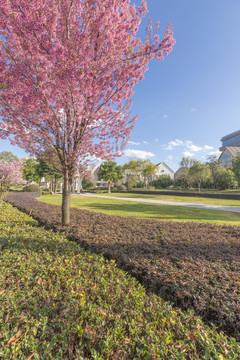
[[67, 73], [10, 174]]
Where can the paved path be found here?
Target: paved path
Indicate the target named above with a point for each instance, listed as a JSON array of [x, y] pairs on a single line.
[[174, 203]]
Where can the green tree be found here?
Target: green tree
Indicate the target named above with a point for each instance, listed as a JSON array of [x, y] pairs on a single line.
[[8, 156], [132, 170], [198, 173], [236, 168], [213, 164], [225, 179], [30, 170], [182, 178], [162, 182], [50, 174], [148, 171], [110, 172]]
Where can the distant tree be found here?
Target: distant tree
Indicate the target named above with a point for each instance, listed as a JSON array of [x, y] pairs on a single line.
[[133, 170], [225, 179], [43, 169], [162, 182], [236, 168], [10, 174], [131, 183], [110, 172], [213, 164], [198, 173], [30, 172], [182, 178], [8, 156], [148, 171]]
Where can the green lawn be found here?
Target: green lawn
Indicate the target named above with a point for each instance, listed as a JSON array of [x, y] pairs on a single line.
[[143, 210], [196, 200]]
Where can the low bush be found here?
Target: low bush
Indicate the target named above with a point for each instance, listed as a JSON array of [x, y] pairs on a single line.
[[32, 188], [193, 265], [61, 302], [121, 188]]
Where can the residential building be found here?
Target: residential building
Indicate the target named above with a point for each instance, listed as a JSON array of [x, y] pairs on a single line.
[[230, 140], [230, 148], [229, 153], [164, 169]]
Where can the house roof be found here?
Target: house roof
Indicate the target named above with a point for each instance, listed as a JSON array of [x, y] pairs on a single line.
[[163, 163]]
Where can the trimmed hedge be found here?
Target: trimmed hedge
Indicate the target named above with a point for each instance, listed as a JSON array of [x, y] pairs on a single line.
[[61, 302], [192, 265]]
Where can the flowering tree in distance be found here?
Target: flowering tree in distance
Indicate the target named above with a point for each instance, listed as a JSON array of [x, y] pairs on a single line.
[[10, 174], [67, 73]]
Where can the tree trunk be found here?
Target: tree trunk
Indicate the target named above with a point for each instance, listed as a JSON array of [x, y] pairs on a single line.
[[51, 185], [109, 187], [66, 195], [55, 184], [199, 187]]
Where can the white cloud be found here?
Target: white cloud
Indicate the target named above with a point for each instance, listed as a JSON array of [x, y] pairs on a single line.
[[145, 142], [172, 144], [207, 147], [194, 148], [134, 143], [187, 154], [138, 154], [156, 140], [188, 144]]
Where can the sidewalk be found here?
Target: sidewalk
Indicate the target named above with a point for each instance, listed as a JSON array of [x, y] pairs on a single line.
[[173, 203]]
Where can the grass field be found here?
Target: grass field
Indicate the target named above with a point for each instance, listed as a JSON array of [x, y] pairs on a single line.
[[188, 199], [146, 211]]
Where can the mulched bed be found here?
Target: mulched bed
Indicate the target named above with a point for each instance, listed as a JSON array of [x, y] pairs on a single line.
[[192, 265]]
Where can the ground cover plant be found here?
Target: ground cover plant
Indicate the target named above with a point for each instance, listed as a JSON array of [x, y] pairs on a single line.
[[191, 264], [61, 302], [144, 210]]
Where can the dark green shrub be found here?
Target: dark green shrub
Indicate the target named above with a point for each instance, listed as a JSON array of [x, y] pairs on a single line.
[[86, 184], [163, 182], [32, 188], [140, 184], [121, 188]]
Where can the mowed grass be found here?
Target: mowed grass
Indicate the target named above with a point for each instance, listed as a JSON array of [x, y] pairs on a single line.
[[61, 302], [187, 199], [146, 211]]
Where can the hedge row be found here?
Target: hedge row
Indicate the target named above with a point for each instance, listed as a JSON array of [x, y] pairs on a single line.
[[61, 302], [192, 265]]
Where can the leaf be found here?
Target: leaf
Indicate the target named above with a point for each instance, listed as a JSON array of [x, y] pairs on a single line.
[[14, 338]]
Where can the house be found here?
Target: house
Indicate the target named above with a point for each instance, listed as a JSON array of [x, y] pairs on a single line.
[[230, 140], [230, 148], [229, 153], [164, 169]]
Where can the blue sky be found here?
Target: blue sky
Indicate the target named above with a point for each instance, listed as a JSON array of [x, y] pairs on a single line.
[[190, 100]]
